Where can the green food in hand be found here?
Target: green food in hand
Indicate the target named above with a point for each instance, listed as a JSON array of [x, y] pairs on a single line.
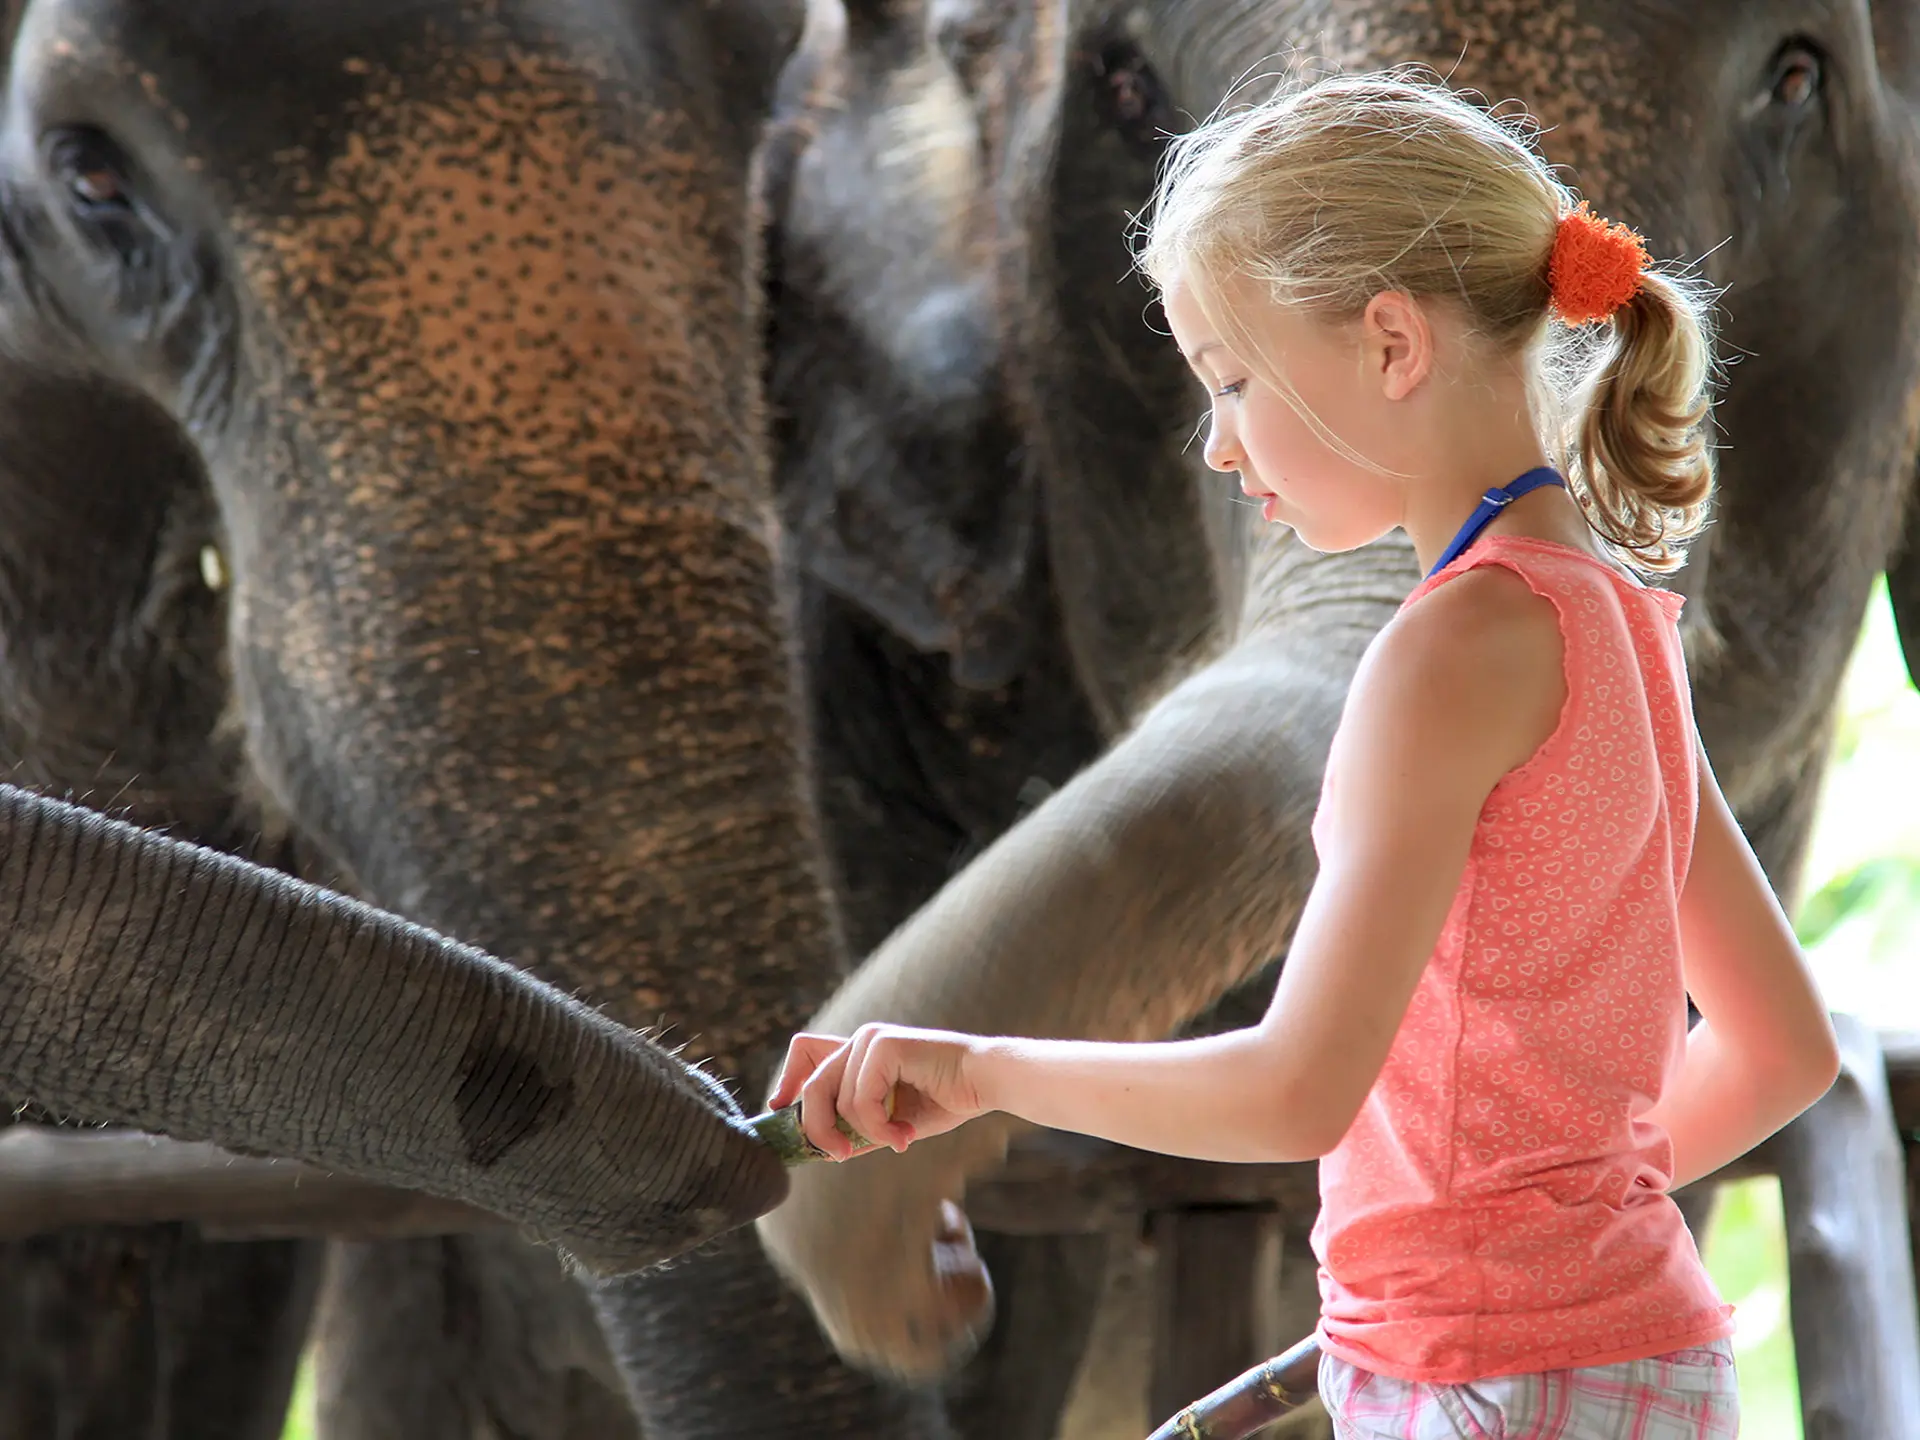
[[781, 1129]]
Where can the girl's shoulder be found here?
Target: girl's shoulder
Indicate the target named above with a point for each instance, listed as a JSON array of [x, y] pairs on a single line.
[[1481, 654], [1473, 617]]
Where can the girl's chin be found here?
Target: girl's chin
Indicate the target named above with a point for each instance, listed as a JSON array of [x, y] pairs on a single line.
[[1332, 540], [1314, 535]]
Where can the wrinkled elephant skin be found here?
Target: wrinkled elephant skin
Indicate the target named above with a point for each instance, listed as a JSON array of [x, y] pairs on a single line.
[[1769, 144], [176, 989]]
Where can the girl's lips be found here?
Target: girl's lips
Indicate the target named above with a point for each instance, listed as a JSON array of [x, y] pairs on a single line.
[[1269, 501]]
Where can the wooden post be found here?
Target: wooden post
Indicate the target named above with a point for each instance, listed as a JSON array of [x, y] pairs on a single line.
[[1910, 1148], [1849, 1259], [1217, 1292]]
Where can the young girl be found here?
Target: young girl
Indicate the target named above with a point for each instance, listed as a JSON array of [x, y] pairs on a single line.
[[1526, 865]]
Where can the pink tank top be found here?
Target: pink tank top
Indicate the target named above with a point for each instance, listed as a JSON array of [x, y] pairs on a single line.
[[1498, 1206]]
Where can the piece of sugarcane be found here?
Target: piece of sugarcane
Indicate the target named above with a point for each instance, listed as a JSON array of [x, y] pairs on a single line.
[[1254, 1401], [781, 1129]]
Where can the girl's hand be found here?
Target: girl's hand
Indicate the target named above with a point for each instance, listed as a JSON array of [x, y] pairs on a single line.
[[893, 1084]]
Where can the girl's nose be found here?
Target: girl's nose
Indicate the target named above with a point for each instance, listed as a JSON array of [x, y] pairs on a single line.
[[1223, 450]]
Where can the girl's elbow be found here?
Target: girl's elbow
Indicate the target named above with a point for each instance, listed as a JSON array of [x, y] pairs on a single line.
[[1308, 1132], [1308, 1109], [1801, 1077], [1824, 1066]]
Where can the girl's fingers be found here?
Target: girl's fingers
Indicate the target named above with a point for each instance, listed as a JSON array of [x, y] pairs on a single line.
[[819, 1104], [858, 1050], [859, 1079], [804, 1054], [867, 1086]]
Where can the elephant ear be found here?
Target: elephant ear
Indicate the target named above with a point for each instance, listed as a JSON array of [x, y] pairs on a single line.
[[1903, 590]]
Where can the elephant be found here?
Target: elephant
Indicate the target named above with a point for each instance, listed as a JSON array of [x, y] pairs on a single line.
[[438, 562], [182, 990], [1155, 890], [126, 705]]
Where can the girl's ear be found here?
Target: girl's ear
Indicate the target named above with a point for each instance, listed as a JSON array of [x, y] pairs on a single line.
[[1399, 342]]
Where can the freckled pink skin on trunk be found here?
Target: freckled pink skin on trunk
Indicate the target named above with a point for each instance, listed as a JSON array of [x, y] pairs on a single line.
[[548, 557]]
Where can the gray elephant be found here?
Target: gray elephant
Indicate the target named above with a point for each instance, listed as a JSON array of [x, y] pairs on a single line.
[[1772, 145], [125, 705], [444, 570]]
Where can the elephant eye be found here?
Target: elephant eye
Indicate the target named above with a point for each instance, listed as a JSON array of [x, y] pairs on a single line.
[[1132, 99], [98, 187], [1797, 75], [89, 168]]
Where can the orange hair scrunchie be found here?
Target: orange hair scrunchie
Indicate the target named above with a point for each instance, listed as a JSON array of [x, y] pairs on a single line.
[[1596, 266]]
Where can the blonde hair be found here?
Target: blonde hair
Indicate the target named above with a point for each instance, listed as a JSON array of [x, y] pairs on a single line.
[[1354, 184]]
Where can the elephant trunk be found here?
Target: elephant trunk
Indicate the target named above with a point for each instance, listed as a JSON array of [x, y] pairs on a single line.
[[175, 989], [699, 1319]]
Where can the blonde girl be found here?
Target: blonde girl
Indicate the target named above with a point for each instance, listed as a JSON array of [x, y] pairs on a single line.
[[1526, 865]]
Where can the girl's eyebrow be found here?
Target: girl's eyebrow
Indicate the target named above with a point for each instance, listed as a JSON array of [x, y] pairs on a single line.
[[1194, 358]]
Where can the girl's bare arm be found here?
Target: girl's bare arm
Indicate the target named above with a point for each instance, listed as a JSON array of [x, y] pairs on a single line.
[[1764, 1049]]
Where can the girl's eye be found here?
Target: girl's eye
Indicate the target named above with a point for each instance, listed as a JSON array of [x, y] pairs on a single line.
[[1236, 387]]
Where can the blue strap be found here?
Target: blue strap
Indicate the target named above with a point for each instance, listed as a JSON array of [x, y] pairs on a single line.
[[1491, 504]]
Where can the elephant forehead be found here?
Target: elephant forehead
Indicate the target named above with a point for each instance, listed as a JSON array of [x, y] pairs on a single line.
[[516, 271], [1583, 69]]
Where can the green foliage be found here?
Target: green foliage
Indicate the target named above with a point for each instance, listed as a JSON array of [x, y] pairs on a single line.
[[1859, 921], [1884, 891], [1745, 1249], [300, 1418]]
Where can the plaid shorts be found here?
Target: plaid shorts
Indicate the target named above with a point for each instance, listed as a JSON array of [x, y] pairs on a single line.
[[1684, 1395]]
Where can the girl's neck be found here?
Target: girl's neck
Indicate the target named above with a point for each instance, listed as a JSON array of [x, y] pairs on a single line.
[[1478, 435]]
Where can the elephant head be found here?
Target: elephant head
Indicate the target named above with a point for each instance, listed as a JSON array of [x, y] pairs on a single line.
[[492, 495], [1770, 145]]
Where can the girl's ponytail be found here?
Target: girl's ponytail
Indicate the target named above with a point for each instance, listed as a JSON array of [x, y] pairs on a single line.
[[1638, 446]]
